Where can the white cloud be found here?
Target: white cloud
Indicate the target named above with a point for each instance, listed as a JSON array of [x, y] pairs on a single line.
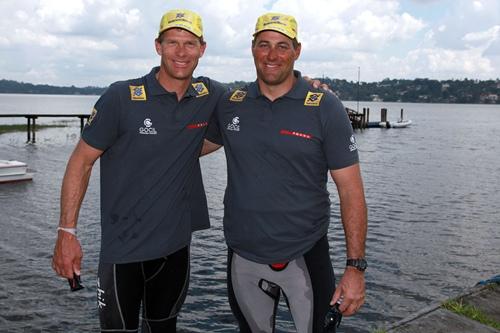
[[59, 15], [486, 36], [478, 5], [95, 42]]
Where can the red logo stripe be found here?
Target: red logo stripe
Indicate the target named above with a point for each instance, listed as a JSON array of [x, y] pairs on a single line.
[[295, 133], [198, 125]]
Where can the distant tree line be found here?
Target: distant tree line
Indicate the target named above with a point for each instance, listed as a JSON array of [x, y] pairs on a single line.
[[14, 87], [419, 90], [389, 90]]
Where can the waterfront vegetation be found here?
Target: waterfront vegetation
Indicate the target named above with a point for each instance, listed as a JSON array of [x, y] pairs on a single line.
[[388, 90], [20, 128], [469, 311]]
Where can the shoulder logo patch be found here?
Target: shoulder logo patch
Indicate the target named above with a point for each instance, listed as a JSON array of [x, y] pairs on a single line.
[[92, 116], [238, 96], [313, 98], [200, 88], [137, 93]]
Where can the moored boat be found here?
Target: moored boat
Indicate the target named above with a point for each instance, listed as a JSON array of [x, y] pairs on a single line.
[[397, 124], [401, 123], [13, 171]]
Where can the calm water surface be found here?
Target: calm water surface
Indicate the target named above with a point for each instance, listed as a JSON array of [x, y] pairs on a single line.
[[432, 192]]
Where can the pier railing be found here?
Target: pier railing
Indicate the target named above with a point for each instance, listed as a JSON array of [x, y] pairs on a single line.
[[31, 121]]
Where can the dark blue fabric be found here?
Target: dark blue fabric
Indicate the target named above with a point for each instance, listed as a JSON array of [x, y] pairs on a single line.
[[152, 194]]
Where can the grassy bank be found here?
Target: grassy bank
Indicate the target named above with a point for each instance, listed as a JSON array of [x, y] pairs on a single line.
[[471, 312], [22, 128]]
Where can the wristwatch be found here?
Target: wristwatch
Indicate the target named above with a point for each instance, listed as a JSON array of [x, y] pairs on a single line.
[[359, 263]]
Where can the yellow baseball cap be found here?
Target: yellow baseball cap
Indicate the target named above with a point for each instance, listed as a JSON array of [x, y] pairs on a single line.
[[184, 19], [285, 24]]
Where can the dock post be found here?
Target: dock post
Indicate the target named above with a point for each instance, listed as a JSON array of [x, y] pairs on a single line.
[[81, 124], [383, 115], [28, 129], [33, 128], [367, 117]]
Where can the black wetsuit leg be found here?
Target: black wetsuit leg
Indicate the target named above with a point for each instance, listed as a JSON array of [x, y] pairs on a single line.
[[160, 285]]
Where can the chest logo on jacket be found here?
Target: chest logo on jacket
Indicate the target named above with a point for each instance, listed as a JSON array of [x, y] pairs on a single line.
[[148, 128], [234, 125]]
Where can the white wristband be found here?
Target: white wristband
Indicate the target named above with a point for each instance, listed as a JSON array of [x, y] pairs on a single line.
[[68, 230]]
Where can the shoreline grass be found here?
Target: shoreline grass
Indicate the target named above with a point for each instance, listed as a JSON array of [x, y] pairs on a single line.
[[471, 312], [22, 128]]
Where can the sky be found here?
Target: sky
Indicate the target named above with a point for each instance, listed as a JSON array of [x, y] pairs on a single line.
[[97, 42]]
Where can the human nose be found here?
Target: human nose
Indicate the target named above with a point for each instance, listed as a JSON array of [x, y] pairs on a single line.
[[180, 50], [272, 53]]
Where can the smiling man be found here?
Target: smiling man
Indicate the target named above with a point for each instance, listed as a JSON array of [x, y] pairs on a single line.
[[148, 134], [282, 138]]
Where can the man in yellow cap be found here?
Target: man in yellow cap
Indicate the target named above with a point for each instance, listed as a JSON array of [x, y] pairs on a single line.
[[282, 138], [148, 134]]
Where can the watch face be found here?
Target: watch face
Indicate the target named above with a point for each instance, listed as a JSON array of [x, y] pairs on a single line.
[[360, 264]]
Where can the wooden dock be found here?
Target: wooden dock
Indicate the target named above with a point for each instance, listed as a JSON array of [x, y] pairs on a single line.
[[31, 121], [361, 120], [437, 319]]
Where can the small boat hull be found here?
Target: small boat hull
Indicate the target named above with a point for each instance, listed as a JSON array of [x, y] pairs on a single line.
[[396, 124], [14, 171], [401, 124]]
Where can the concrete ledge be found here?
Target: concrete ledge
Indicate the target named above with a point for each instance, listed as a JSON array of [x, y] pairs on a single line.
[[435, 319]]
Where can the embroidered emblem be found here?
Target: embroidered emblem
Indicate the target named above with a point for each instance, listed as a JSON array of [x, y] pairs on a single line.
[[137, 93], [238, 96], [295, 133], [234, 125], [313, 99], [200, 89], [148, 127], [92, 116], [197, 125], [354, 145]]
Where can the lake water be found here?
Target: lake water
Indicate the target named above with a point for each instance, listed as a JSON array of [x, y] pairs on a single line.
[[433, 194]]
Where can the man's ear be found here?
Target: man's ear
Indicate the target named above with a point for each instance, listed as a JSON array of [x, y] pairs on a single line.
[[297, 51], [203, 47], [158, 46]]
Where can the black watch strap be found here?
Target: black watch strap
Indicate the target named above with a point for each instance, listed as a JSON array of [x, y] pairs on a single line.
[[359, 263]]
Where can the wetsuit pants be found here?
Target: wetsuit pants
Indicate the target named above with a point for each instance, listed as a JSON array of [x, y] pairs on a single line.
[[307, 283], [158, 285]]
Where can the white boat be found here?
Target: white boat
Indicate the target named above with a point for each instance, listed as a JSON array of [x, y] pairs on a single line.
[[13, 171], [400, 123], [397, 124]]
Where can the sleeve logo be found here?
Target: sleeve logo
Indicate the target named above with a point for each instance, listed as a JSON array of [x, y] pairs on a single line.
[[92, 116], [313, 99], [354, 145], [200, 89], [137, 93], [238, 96]]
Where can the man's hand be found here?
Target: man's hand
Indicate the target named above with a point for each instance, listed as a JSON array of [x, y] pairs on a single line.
[[317, 84], [350, 291], [67, 255]]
